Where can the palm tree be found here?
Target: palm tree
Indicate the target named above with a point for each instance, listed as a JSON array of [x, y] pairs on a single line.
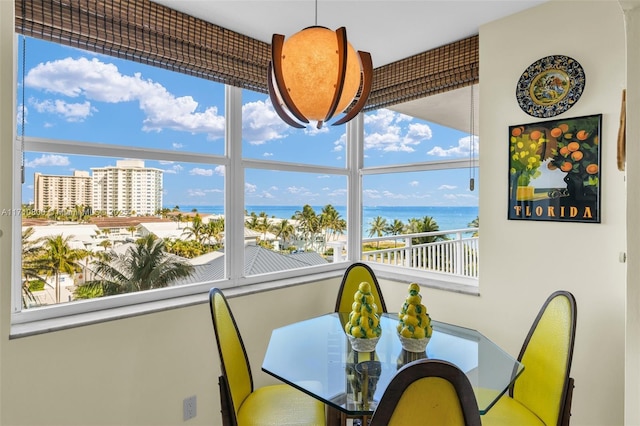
[[213, 230], [195, 230], [105, 244], [263, 225], [426, 224], [31, 250], [188, 249], [377, 227], [331, 222], [132, 229], [58, 258], [395, 228], [283, 230], [178, 218], [144, 266], [252, 221], [308, 224], [475, 223]]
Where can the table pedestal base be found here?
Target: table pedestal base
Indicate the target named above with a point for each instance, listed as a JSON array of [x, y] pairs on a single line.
[[338, 418]]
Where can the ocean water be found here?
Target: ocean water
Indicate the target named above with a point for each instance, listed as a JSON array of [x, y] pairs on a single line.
[[446, 217]]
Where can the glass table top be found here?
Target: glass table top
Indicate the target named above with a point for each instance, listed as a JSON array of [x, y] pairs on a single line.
[[315, 356]]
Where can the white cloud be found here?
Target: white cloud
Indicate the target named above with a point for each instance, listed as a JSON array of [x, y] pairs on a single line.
[[102, 82], [387, 133], [177, 145], [201, 192], [261, 123], [195, 193], [72, 112], [372, 193], [296, 190], [414, 183], [197, 171], [49, 160], [249, 187], [463, 149], [418, 132], [394, 196], [22, 113], [268, 154], [341, 192], [447, 187], [174, 170]]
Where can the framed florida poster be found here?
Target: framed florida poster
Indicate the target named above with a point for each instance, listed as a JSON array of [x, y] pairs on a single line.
[[554, 170]]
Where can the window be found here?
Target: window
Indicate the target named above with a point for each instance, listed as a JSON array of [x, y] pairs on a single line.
[[416, 197], [115, 152], [118, 154]]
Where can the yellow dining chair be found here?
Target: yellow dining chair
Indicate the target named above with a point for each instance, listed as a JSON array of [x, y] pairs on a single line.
[[241, 404], [428, 392], [355, 274], [543, 392]]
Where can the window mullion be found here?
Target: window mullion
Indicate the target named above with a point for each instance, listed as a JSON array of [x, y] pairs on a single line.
[[234, 186], [355, 161]]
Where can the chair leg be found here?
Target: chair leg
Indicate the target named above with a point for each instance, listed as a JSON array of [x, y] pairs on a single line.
[[566, 409], [334, 417], [225, 402]]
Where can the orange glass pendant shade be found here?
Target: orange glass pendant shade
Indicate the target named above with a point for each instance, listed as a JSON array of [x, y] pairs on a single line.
[[315, 74]]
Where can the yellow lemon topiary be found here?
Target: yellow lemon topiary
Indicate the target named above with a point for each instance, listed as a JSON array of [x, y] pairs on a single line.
[[364, 321], [414, 321]]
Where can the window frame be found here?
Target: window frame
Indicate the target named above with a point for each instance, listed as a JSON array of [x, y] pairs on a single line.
[[50, 318]]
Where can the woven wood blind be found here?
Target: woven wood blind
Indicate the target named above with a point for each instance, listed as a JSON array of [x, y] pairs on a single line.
[[146, 32], [438, 70]]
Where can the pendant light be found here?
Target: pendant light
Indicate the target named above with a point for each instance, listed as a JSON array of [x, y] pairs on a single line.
[[315, 74]]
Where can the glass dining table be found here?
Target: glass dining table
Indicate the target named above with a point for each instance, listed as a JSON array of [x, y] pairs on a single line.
[[315, 356]]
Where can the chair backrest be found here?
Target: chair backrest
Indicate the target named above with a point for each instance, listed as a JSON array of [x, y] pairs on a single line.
[[544, 386], [234, 362], [428, 392], [353, 276]]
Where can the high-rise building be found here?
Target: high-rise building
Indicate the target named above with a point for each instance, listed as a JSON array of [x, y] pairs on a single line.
[[62, 192], [128, 188]]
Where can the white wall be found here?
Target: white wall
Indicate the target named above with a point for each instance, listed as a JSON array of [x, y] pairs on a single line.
[[632, 365], [523, 261], [136, 371]]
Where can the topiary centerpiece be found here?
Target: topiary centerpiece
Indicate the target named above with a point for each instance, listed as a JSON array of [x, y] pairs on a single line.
[[363, 327], [414, 325]]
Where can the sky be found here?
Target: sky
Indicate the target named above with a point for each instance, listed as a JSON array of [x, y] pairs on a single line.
[[70, 94]]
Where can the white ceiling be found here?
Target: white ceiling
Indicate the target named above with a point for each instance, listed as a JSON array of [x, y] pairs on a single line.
[[388, 30]]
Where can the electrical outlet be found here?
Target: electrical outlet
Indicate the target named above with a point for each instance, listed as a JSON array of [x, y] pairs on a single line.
[[189, 408]]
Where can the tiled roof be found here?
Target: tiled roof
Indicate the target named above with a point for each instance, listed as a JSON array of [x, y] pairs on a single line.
[[258, 260]]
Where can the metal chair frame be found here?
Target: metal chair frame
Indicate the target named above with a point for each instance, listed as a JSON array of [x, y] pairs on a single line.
[[422, 369]]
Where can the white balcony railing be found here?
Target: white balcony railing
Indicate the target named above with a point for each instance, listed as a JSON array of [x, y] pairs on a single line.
[[458, 255]]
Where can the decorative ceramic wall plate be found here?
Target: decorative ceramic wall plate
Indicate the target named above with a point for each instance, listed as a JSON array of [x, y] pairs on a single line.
[[550, 86]]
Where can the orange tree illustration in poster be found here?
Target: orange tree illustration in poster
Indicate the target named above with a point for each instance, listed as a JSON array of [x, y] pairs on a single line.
[[554, 170]]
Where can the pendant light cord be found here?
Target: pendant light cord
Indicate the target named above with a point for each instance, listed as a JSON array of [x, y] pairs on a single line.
[[316, 23]]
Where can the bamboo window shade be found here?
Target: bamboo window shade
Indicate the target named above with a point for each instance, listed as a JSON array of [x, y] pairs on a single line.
[[149, 33]]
